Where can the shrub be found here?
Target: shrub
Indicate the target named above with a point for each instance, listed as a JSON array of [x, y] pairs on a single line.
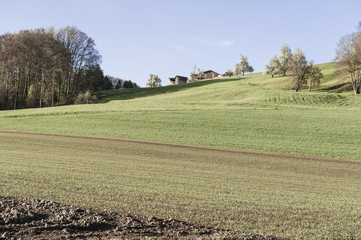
[[85, 98]]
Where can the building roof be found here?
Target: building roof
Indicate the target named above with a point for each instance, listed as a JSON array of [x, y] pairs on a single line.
[[209, 71], [179, 77]]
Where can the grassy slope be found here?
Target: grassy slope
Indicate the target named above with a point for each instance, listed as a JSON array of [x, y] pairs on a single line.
[[269, 195], [253, 113]]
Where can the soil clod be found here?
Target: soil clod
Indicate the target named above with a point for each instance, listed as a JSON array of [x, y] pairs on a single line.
[[41, 219]]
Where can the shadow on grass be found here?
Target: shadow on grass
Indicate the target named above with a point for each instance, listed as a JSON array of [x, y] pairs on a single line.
[[338, 88], [132, 93]]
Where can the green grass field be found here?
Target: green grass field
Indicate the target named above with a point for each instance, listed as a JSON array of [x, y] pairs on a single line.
[[283, 196], [252, 113], [252, 193]]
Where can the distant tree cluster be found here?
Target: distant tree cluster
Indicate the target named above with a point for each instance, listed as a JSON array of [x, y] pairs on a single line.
[[47, 67], [348, 57], [228, 73], [117, 83], [299, 70]]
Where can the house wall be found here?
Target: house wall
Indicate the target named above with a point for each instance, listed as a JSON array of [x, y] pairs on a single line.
[[179, 81], [211, 75]]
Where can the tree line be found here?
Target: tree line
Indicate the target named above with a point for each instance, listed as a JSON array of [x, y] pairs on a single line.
[[45, 67], [48, 67], [117, 83], [301, 71]]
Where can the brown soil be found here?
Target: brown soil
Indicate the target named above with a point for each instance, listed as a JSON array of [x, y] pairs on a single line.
[[41, 219]]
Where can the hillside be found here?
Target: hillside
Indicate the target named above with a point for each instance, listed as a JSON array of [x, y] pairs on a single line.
[[243, 154], [253, 113], [253, 90]]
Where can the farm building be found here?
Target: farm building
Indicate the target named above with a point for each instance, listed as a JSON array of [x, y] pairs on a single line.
[[210, 74], [177, 80]]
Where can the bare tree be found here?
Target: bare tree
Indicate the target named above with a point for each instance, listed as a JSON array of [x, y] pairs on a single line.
[[153, 81], [284, 60], [348, 58], [194, 75], [300, 70], [314, 76], [272, 67], [82, 55], [243, 66], [200, 75]]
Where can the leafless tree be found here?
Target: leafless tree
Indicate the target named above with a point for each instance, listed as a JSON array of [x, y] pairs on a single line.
[[272, 67], [243, 66], [314, 77], [300, 70], [348, 59], [82, 55], [284, 60], [153, 81]]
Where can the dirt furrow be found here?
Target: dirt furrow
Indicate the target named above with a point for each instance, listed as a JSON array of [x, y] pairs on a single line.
[[255, 154]]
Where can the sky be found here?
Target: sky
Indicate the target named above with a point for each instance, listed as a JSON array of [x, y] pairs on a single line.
[[137, 38]]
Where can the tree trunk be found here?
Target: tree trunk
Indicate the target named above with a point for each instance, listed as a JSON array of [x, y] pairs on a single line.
[[41, 88], [53, 91], [15, 97], [26, 84], [6, 93], [16, 89], [59, 94], [309, 87], [356, 88]]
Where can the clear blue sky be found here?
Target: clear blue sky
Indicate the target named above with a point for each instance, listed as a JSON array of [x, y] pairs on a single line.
[[167, 37]]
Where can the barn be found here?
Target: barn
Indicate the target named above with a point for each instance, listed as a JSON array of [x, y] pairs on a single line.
[[210, 74], [177, 80]]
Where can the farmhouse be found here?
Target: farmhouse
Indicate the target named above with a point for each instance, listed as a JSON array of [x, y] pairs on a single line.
[[177, 80], [210, 74]]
